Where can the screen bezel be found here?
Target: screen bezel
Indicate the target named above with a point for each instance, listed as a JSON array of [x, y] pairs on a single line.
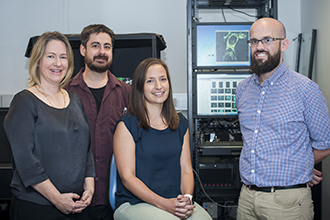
[[238, 26]]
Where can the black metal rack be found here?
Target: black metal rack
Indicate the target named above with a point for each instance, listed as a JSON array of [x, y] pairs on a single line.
[[215, 161]]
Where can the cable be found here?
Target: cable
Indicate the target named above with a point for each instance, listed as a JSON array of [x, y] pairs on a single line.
[[200, 183], [242, 12], [223, 15]]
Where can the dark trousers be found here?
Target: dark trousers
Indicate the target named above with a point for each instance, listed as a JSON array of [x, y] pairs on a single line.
[[22, 210], [100, 212]]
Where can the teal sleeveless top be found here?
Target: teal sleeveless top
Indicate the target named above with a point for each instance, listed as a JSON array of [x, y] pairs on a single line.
[[157, 154]]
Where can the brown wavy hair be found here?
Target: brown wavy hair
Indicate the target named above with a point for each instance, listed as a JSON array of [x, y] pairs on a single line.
[[96, 28], [137, 102]]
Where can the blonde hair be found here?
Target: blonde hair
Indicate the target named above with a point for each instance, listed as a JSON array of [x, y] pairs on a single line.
[[38, 52]]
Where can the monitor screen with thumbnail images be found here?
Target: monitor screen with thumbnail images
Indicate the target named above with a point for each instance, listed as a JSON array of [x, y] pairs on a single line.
[[216, 93]]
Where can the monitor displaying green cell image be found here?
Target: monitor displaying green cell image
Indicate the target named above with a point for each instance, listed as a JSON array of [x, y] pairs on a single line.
[[221, 45]]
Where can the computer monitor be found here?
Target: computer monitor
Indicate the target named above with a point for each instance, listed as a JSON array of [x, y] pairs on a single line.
[[221, 45], [216, 94]]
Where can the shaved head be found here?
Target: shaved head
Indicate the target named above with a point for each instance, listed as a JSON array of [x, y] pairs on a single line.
[[265, 58], [271, 25]]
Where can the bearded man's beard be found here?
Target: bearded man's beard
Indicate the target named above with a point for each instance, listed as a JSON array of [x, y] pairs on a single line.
[[259, 67], [99, 68]]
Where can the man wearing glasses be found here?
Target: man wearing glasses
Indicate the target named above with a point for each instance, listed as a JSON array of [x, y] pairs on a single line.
[[285, 124]]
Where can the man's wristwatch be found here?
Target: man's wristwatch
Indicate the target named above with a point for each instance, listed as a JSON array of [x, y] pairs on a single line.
[[190, 198]]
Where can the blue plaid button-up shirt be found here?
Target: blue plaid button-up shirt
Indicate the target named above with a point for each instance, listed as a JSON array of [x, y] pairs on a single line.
[[281, 122]]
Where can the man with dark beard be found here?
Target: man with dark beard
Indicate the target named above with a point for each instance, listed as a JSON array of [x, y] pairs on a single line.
[[285, 124], [104, 98]]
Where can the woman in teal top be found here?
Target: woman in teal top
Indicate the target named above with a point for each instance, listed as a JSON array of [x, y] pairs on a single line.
[[151, 147]]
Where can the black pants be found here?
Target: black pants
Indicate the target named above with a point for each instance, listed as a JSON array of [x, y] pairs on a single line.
[[100, 212], [23, 210]]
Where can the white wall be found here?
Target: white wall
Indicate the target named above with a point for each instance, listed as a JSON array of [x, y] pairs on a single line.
[[21, 19], [289, 15]]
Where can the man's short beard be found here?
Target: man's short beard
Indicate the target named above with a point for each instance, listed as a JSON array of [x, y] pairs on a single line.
[[97, 68], [258, 67]]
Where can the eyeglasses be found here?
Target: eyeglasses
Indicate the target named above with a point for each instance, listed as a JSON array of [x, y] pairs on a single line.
[[266, 41]]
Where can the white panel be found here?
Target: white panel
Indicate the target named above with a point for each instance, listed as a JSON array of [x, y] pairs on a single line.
[[180, 101], [6, 100]]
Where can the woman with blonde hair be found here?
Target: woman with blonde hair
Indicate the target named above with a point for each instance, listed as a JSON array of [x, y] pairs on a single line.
[[53, 168]]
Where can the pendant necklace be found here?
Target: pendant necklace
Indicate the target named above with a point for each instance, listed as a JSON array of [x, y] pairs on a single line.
[[49, 100]]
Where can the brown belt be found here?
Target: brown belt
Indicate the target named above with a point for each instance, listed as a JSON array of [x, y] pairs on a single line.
[[274, 188]]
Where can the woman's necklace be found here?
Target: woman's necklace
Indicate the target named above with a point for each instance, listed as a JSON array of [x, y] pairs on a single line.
[[49, 100], [158, 125]]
